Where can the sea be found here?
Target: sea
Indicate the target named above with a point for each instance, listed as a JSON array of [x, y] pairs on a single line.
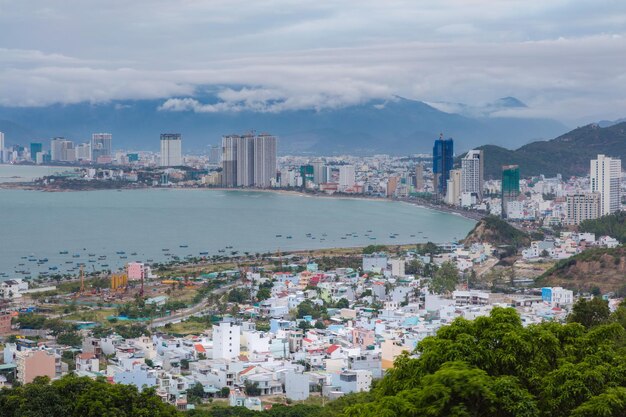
[[44, 233]]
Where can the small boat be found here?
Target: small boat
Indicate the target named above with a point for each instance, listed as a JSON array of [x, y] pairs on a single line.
[[165, 250], [134, 254], [123, 257], [52, 268], [91, 254], [204, 253], [279, 235], [76, 255], [121, 252], [183, 246], [105, 265], [69, 262], [288, 237], [63, 252]]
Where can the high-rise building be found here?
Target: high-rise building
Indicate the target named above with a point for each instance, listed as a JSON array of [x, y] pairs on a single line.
[[419, 177], [472, 173], [605, 176], [307, 174], [582, 206], [453, 188], [35, 148], [318, 171], [101, 145], [226, 340], [229, 160], [347, 177], [214, 155], [510, 186], [171, 150], [392, 185], [1, 147], [62, 150], [245, 160], [443, 160], [265, 147], [248, 160], [83, 151]]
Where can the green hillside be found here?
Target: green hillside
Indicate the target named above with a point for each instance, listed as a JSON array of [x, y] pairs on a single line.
[[569, 154]]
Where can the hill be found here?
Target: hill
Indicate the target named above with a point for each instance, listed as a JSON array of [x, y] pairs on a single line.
[[568, 154], [613, 225], [602, 268], [496, 231], [398, 126]]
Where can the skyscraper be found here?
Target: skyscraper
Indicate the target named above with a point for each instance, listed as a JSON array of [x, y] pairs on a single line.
[[264, 160], [347, 177], [245, 160], [62, 150], [443, 159], [171, 150], [101, 145], [318, 171], [1, 147], [582, 206], [35, 148], [419, 177], [453, 188], [229, 160], [214, 155], [510, 186], [472, 169], [605, 176]]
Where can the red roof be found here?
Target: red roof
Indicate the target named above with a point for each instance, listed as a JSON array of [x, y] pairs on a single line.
[[332, 348], [199, 348], [248, 369]]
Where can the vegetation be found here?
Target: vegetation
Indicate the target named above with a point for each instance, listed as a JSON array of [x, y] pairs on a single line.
[[572, 150], [600, 268], [368, 250], [493, 366], [445, 278], [496, 231], [613, 225], [72, 396]]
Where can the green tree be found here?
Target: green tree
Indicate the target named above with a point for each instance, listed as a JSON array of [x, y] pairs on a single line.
[[445, 278], [590, 313]]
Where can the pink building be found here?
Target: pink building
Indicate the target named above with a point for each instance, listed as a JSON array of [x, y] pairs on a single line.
[[34, 363], [137, 271], [363, 337]]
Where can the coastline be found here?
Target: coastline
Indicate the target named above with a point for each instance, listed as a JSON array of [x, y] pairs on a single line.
[[470, 215]]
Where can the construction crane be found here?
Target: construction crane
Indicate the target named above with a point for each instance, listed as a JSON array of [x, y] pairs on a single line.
[[82, 279]]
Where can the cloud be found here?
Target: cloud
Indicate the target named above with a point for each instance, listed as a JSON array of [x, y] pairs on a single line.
[[316, 55]]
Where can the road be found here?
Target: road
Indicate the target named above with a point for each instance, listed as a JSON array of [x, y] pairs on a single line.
[[183, 314]]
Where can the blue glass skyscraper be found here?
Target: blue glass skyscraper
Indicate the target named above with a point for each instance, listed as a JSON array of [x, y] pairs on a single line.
[[443, 159]]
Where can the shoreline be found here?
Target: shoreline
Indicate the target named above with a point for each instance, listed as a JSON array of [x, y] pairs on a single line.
[[470, 215]]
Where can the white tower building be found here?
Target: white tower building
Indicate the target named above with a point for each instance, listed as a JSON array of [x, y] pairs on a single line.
[[171, 150], [605, 176], [472, 173], [226, 340]]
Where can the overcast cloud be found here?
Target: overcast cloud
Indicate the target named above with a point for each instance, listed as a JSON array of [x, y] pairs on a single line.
[[565, 59]]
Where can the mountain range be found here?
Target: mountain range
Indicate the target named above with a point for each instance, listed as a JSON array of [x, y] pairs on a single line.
[[397, 126], [568, 154]]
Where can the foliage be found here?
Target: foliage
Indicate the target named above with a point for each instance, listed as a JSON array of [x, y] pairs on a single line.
[[70, 338], [132, 331], [239, 295], [31, 321], [494, 366], [309, 308], [195, 393], [368, 250], [590, 313], [72, 396], [613, 225], [498, 232], [445, 278], [252, 389]]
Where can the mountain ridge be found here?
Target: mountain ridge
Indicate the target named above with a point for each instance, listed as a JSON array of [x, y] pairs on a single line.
[[397, 126]]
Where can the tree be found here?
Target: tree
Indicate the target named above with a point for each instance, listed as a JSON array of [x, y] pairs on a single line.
[[342, 303], [224, 392], [252, 389], [445, 279], [590, 313], [195, 393], [263, 294]]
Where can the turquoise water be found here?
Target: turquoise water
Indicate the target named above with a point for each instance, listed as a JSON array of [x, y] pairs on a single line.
[[141, 223]]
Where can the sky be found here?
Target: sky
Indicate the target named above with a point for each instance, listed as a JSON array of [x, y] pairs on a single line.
[[565, 59]]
